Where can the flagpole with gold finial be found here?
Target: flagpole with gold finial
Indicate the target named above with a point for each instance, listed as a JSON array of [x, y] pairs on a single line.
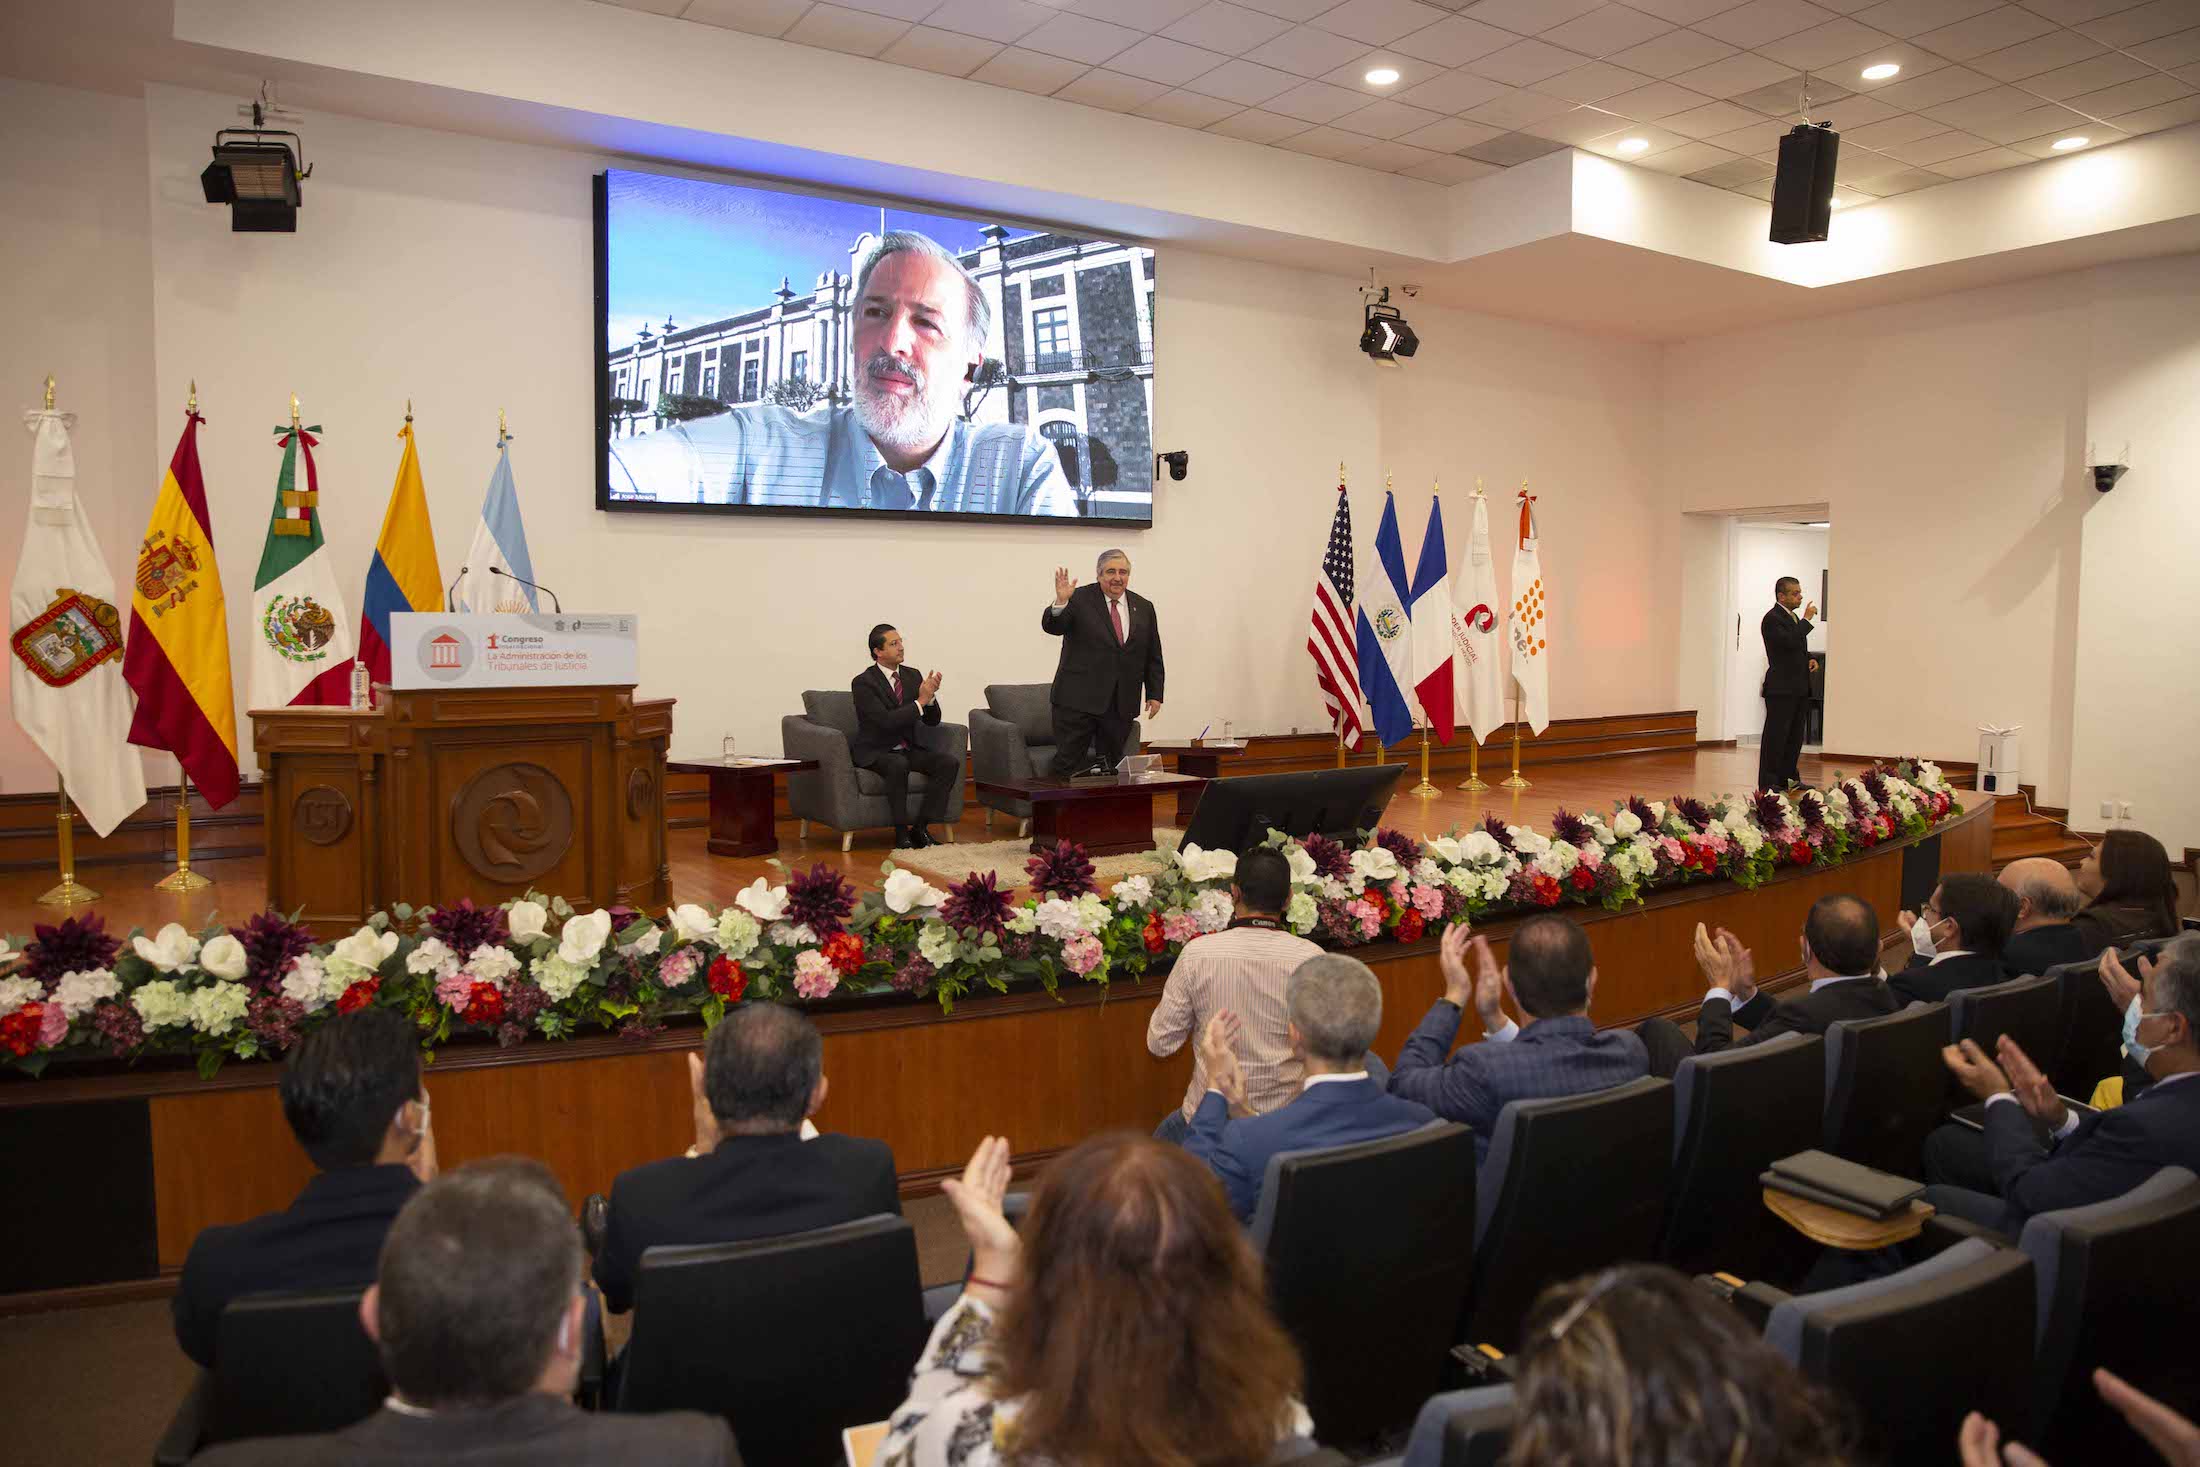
[[1380, 751], [49, 392], [68, 893], [1340, 691], [1473, 781], [183, 878], [1513, 781], [504, 433], [1425, 789]]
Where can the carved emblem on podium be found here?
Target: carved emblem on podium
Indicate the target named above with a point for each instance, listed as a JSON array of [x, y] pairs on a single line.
[[513, 822], [321, 814], [641, 794]]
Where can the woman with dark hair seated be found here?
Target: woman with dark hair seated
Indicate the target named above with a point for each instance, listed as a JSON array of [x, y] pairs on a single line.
[[2130, 894], [1127, 1325], [1637, 1364]]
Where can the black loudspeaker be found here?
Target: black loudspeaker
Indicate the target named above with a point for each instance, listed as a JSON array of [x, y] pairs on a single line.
[[1802, 191]]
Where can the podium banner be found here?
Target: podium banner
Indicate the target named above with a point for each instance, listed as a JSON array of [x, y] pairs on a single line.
[[435, 649]]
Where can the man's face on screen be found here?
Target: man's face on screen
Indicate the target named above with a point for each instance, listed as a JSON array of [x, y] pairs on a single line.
[[912, 354]]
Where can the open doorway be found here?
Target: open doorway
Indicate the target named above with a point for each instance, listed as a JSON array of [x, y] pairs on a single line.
[[1762, 546]]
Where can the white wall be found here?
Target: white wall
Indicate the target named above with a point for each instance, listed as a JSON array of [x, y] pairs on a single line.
[[1763, 554]]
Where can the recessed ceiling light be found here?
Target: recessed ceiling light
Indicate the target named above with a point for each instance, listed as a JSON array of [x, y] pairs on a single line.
[[1838, 202], [1381, 76], [1632, 145], [1881, 71], [2066, 145]]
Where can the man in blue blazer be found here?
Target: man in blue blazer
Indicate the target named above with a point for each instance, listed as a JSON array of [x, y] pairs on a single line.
[[1550, 978], [1335, 1006], [2091, 1158]]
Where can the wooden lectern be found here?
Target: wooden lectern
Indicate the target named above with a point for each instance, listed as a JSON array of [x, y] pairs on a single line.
[[442, 793]]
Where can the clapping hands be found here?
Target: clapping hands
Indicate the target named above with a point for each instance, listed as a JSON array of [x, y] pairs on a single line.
[[995, 1250], [928, 688], [1484, 984], [1218, 1056], [1726, 963], [2116, 978]]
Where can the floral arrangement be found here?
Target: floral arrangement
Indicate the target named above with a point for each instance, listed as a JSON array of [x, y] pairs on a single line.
[[536, 966]]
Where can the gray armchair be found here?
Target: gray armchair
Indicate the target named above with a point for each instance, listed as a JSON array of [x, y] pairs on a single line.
[[842, 797], [1012, 737]]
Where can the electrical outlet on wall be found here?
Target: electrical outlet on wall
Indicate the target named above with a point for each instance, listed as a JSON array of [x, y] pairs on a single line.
[[2108, 809], [2123, 809]]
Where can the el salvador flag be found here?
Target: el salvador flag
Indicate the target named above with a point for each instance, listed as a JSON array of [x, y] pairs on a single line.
[[1386, 635]]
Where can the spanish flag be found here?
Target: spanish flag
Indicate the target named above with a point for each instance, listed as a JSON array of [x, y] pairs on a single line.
[[403, 575], [177, 657]]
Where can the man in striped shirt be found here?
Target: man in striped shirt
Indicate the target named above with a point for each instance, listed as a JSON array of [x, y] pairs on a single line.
[[1242, 969]]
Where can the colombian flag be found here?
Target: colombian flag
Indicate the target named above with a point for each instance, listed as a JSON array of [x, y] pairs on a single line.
[[177, 658], [403, 575]]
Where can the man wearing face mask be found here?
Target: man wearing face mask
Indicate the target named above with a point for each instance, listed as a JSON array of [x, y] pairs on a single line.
[[917, 342], [1788, 666], [354, 1099], [1958, 939], [2005, 1173]]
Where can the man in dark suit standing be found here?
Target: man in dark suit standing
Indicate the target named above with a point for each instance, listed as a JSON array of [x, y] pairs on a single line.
[[1958, 940], [750, 1174], [478, 1316], [1840, 957], [1111, 649], [353, 1097], [891, 701], [1788, 666]]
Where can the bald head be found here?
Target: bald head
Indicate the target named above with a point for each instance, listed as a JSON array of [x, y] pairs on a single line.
[[2045, 891]]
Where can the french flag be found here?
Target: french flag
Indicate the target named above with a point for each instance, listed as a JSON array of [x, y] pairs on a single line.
[[1432, 632]]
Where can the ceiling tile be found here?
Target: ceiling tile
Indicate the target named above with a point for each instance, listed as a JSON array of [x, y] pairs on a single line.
[[2054, 118], [1508, 149], [2181, 49], [1378, 22], [1657, 137], [1255, 126], [1113, 91], [1851, 112], [1685, 159], [1591, 83], [1784, 99], [1672, 53], [1529, 17], [1187, 109], [1411, 73], [1733, 173], [2128, 28], [1913, 17], [1451, 170], [1524, 63], [1682, 12], [2003, 26], [1243, 82], [1579, 127], [1386, 119], [909, 10], [1978, 107], [1324, 142], [654, 7], [1914, 62], [1659, 99], [1315, 102], [1454, 41], [1080, 38], [1518, 109], [1450, 135], [1758, 137], [1391, 157], [1902, 181], [1934, 88], [1603, 31], [1906, 127], [1291, 10], [1712, 118], [1029, 71], [838, 29], [1161, 60], [1927, 151], [1304, 51], [1857, 164], [1231, 29], [2066, 82], [2071, 12], [1744, 71], [1454, 91], [2034, 57], [757, 17], [1986, 160], [2150, 90], [1761, 189], [2096, 134], [996, 20], [1823, 45], [1750, 26], [1142, 15], [941, 51], [2154, 119]]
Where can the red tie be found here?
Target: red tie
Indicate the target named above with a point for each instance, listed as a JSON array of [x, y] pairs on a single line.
[[895, 679], [1115, 614]]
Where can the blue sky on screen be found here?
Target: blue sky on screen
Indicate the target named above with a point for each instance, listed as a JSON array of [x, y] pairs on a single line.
[[704, 251]]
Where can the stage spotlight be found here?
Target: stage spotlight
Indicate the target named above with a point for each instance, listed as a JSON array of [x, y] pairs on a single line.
[[257, 176], [1386, 336], [1802, 189]]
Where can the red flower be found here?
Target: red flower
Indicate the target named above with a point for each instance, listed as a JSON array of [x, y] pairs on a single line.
[[1583, 879], [727, 980], [844, 950], [1546, 889], [1155, 938], [1801, 853], [19, 1030], [1381, 899], [358, 996], [484, 1005], [1410, 925]]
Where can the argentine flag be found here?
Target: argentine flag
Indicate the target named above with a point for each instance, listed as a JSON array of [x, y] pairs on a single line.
[[500, 540], [1386, 635]]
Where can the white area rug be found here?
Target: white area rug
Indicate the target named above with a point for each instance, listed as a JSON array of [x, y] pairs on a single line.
[[946, 864]]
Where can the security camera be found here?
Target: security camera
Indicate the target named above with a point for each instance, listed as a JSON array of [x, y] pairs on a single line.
[[1179, 462], [2109, 462], [2106, 475]]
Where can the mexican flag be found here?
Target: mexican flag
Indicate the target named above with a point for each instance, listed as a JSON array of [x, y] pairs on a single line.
[[301, 636]]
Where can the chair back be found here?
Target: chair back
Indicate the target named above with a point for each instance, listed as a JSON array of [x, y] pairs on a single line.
[[2092, 1046], [1734, 1114], [835, 708], [2028, 1010], [1030, 706], [2119, 1287], [1917, 1350], [1886, 1087], [1468, 1428], [293, 1363], [791, 1339], [1572, 1183], [1369, 1249]]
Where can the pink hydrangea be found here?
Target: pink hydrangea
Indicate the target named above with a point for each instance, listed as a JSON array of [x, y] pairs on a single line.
[[1670, 848], [814, 974], [1370, 917], [1592, 855], [1717, 840], [678, 968], [1429, 902], [456, 991], [1179, 927], [1082, 953], [1398, 896], [53, 1025]]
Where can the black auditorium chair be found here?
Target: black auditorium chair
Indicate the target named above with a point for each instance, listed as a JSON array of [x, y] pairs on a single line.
[[1571, 1184], [791, 1339], [2028, 1010], [1734, 1114], [2092, 1043], [1886, 1087], [1368, 1251], [284, 1364], [1915, 1351], [1470, 1428]]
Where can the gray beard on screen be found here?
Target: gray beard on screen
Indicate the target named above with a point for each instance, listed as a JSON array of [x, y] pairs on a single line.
[[910, 426]]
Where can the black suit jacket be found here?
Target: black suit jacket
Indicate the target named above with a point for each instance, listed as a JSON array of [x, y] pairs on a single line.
[[1787, 654], [1095, 675], [881, 723], [750, 1187], [1808, 1013], [330, 1238], [1926, 981], [2034, 951], [2111, 1152], [533, 1429]]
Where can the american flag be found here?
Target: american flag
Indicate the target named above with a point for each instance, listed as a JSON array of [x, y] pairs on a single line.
[[1331, 643]]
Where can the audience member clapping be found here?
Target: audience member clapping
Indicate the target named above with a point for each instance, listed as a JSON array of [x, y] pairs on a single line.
[[2171, 1434]]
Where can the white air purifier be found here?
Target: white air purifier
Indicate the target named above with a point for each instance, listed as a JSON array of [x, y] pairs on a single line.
[[1997, 759]]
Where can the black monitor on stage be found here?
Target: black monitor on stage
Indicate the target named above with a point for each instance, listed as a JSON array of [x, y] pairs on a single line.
[[1237, 814]]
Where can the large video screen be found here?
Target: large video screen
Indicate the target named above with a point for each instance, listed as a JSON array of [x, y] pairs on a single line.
[[772, 352]]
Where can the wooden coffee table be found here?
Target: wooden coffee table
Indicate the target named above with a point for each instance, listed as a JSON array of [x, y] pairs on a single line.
[[741, 799], [1106, 815], [1207, 761]]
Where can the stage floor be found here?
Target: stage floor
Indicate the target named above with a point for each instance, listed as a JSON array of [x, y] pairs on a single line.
[[239, 888]]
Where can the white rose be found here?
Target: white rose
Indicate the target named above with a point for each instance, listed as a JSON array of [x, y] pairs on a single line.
[[77, 993], [161, 1004], [307, 984], [1302, 865], [217, 1010], [1199, 865], [645, 945], [936, 944], [737, 933], [1373, 864], [490, 963], [359, 955], [584, 937], [1529, 843], [691, 923], [1133, 892], [1481, 847], [16, 992], [1302, 913], [430, 956], [1447, 849], [528, 920], [762, 900], [174, 948], [906, 891], [1626, 823], [557, 977], [223, 957]]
